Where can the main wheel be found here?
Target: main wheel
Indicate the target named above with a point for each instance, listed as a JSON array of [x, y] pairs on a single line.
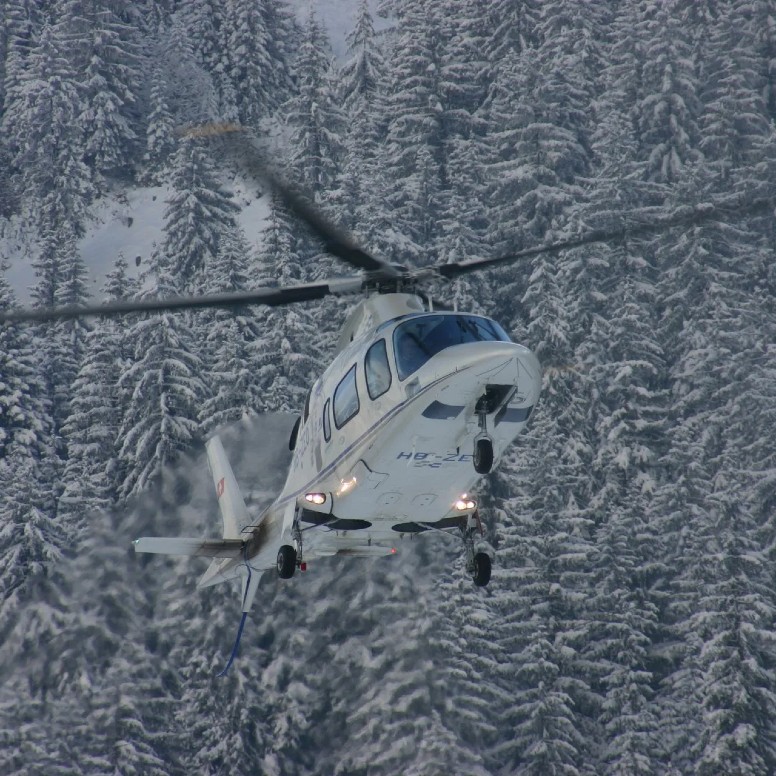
[[483, 456], [286, 561], [482, 569]]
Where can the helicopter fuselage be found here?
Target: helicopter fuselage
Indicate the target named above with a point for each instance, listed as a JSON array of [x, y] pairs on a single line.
[[387, 444]]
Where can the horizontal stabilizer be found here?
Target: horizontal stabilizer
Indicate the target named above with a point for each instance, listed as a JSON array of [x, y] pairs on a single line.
[[206, 548]]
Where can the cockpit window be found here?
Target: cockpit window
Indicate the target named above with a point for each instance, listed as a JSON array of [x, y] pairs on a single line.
[[418, 339], [377, 370], [346, 402]]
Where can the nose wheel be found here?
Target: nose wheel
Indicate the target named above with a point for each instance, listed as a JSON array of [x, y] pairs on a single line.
[[483, 455]]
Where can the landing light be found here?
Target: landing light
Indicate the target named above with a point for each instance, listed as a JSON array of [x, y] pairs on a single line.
[[315, 498], [346, 485], [465, 504]]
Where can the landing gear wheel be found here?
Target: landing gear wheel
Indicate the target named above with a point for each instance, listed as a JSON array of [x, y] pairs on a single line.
[[482, 569], [286, 561], [483, 456]]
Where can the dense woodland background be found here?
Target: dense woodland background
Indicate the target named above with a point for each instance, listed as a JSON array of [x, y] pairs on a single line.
[[629, 626]]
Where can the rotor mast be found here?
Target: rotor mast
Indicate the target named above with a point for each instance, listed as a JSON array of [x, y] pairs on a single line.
[[374, 311]]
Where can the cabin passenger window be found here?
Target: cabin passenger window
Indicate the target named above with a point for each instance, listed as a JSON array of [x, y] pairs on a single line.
[[326, 422], [346, 398], [377, 371]]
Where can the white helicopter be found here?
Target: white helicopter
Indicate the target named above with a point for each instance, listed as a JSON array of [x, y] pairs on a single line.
[[417, 405]]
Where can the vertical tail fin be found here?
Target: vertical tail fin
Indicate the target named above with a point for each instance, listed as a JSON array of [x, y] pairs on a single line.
[[230, 501]]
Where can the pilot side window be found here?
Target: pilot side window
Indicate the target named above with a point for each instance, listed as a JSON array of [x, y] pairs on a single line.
[[326, 422], [377, 371], [346, 398]]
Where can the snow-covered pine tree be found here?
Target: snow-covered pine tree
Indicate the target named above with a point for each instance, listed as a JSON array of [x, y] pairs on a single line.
[[105, 51], [313, 115], [512, 27], [762, 21], [91, 475], [199, 212], [412, 151], [668, 108], [44, 137], [192, 96], [627, 367], [31, 542], [360, 77], [470, 662], [735, 122], [250, 61], [234, 340], [111, 91], [164, 380], [160, 135], [286, 361]]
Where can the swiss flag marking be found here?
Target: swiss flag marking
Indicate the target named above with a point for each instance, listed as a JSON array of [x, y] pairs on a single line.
[[220, 488]]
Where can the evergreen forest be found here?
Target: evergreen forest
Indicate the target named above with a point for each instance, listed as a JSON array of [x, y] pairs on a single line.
[[629, 625]]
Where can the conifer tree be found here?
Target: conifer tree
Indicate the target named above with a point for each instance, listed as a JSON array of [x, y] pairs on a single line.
[[413, 110], [668, 109], [313, 115], [110, 56], [47, 147], [735, 118], [199, 212], [286, 362], [250, 61], [164, 379], [232, 344], [361, 76], [91, 475], [160, 140]]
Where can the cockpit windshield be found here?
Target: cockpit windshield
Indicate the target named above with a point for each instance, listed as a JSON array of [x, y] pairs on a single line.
[[419, 338]]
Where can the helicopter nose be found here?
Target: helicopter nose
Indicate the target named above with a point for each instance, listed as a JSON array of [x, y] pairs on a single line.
[[473, 365]]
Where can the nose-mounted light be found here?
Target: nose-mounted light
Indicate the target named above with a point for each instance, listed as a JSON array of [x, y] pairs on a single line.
[[465, 504], [346, 486], [315, 498]]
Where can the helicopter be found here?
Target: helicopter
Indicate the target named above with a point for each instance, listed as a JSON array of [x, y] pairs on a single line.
[[418, 404]]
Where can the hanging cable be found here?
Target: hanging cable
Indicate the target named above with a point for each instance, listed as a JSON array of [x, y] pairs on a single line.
[[244, 615]]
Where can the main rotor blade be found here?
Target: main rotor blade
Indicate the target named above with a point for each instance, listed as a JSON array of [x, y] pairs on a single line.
[[271, 297], [242, 145], [685, 216]]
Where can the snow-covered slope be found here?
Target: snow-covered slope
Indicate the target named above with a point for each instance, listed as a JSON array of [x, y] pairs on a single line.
[[127, 223]]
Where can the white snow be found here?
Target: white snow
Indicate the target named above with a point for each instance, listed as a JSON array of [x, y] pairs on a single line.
[[129, 223], [338, 16]]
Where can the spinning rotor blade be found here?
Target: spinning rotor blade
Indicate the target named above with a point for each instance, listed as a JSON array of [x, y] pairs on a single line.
[[271, 297], [685, 216], [242, 146]]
